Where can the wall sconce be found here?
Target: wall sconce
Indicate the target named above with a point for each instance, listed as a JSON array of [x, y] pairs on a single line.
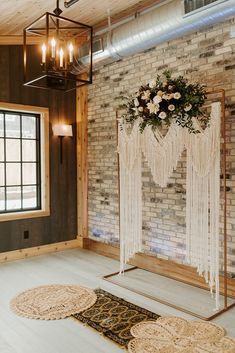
[[62, 130]]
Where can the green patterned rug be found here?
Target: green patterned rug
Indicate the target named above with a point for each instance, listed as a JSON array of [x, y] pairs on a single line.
[[113, 317]]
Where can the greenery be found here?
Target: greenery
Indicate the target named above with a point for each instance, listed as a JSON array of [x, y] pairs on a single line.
[[166, 99]]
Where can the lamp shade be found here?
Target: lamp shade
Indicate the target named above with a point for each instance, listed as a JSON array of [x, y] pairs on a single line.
[[62, 130]]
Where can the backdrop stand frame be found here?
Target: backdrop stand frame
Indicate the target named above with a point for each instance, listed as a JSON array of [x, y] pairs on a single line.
[[225, 253]]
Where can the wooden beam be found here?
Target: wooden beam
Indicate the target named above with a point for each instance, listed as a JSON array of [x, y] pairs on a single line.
[[82, 174], [39, 250], [171, 269], [18, 40]]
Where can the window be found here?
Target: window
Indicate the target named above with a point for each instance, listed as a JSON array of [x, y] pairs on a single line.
[[192, 5], [23, 159]]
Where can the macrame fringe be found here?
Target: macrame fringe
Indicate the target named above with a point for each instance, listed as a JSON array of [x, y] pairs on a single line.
[[130, 194], [202, 189]]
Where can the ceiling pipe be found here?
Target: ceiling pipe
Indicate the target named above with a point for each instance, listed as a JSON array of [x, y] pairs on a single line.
[[162, 24]]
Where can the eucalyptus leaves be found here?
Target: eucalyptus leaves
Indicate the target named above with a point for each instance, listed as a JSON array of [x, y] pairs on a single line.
[[165, 99]]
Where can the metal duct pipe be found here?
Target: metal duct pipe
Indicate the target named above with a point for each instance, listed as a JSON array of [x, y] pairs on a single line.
[[161, 24]]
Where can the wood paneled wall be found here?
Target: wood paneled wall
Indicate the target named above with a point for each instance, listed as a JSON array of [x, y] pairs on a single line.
[[62, 223]]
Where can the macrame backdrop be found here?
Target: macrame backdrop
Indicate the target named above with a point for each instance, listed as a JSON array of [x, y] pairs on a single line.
[[162, 154]]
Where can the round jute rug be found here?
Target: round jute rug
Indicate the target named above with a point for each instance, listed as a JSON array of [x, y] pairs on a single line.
[[53, 302], [176, 335]]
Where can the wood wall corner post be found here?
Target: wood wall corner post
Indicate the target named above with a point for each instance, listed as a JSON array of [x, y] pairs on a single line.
[[82, 171]]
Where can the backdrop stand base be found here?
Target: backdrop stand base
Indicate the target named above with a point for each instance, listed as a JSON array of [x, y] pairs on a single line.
[[165, 302]]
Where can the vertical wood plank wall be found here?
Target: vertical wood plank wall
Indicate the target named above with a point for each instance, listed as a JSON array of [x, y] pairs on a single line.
[[62, 223]]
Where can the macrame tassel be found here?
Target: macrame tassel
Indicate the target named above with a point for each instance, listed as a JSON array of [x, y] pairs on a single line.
[[130, 158], [162, 153], [202, 201]]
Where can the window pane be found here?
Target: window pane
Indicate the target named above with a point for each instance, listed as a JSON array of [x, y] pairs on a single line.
[[29, 150], [29, 197], [29, 173], [2, 181], [12, 150], [29, 127], [1, 125], [1, 149], [19, 163], [12, 125], [2, 199], [13, 198], [13, 174]]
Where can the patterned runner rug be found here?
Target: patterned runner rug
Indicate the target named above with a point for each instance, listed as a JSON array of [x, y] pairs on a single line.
[[114, 317]]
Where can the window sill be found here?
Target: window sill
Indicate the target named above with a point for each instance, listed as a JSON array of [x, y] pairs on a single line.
[[23, 215]]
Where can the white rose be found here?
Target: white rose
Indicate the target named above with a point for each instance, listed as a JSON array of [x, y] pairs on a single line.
[[140, 109], [152, 83], [177, 95], [162, 115], [153, 108], [159, 93], [188, 107], [146, 95], [136, 102], [157, 99], [136, 111], [171, 107], [166, 96]]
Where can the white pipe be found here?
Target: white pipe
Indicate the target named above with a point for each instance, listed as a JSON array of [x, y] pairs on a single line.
[[161, 24]]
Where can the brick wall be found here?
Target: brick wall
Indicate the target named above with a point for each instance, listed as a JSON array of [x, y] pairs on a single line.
[[207, 56]]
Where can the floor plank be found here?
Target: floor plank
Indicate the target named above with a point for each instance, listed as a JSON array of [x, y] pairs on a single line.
[[20, 335]]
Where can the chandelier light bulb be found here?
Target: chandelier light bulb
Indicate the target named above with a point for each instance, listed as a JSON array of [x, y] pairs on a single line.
[[44, 49], [53, 45], [71, 52], [61, 57]]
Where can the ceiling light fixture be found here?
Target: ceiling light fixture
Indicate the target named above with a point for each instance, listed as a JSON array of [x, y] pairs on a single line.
[[61, 56]]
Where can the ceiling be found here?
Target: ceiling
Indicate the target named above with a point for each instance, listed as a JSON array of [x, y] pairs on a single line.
[[16, 14]]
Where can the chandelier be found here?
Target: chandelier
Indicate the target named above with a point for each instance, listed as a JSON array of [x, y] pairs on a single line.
[[57, 52]]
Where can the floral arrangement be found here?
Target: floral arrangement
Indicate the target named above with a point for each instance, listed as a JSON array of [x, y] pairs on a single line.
[[161, 101]]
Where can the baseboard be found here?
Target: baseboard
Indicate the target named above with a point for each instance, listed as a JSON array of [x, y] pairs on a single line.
[[171, 269], [39, 250]]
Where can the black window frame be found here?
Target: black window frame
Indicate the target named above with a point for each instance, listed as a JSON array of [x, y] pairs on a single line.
[[37, 140], [193, 5]]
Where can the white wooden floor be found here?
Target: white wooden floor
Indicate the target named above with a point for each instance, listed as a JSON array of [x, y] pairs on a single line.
[[19, 335]]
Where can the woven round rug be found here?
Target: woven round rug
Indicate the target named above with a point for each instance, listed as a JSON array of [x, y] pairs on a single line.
[[53, 302], [173, 334]]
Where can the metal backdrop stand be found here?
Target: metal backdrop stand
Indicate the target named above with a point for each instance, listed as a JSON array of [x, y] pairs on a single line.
[[226, 307]]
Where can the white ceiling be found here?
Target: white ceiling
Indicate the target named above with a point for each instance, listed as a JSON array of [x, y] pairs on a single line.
[[17, 14]]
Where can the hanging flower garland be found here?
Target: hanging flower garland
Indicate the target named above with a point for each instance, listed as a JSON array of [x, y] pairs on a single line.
[[161, 101]]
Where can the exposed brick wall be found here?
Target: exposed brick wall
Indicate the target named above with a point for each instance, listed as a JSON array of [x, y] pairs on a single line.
[[207, 56]]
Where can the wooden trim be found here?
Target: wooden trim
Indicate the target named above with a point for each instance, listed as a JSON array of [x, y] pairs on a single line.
[[45, 163], [5, 217], [168, 268], [18, 40], [38, 250], [23, 108], [82, 173], [84, 243]]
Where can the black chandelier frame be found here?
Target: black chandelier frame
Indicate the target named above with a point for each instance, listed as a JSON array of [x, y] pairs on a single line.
[[62, 78]]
